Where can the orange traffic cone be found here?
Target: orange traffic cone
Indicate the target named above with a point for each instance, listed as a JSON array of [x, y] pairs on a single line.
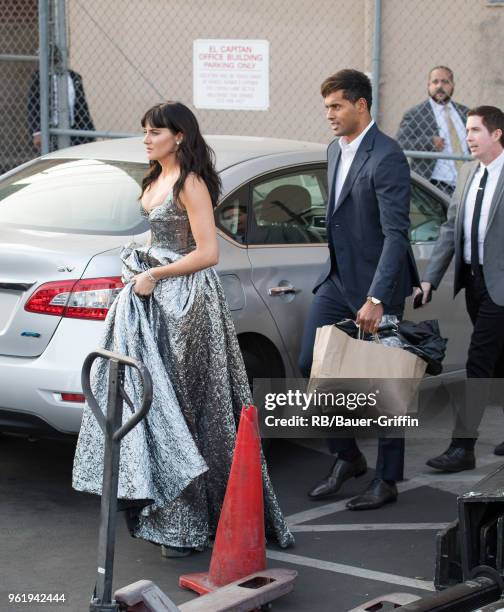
[[239, 548]]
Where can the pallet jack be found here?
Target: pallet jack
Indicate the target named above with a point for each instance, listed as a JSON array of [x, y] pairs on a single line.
[[252, 592]]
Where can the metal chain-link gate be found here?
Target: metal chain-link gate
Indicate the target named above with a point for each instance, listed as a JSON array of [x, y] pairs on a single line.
[[102, 64]]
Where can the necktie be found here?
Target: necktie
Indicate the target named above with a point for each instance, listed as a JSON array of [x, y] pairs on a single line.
[[475, 262], [454, 137]]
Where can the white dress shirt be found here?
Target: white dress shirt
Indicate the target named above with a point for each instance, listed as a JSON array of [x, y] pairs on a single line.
[[71, 100], [494, 171], [445, 169], [348, 151], [55, 103]]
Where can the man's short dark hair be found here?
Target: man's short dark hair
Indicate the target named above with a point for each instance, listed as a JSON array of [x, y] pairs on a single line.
[[492, 118], [352, 83], [448, 70]]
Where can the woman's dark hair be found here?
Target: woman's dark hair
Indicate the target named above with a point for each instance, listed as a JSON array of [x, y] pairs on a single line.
[[491, 117], [354, 84], [193, 153]]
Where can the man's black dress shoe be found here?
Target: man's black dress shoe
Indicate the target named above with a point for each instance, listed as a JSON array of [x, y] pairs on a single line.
[[454, 459], [341, 470], [499, 449], [376, 495]]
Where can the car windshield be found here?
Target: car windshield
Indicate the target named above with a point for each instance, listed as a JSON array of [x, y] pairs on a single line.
[[87, 196]]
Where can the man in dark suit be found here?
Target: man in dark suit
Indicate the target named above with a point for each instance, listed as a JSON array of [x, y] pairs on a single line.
[[370, 269], [474, 234], [437, 124], [80, 117]]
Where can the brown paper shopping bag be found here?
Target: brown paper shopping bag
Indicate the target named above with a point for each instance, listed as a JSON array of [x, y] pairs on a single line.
[[339, 358]]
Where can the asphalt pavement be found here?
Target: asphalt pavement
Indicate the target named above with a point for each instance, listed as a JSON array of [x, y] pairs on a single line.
[[48, 532]]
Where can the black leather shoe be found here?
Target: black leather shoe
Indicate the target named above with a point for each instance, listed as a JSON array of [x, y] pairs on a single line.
[[499, 449], [454, 459], [341, 470], [376, 495]]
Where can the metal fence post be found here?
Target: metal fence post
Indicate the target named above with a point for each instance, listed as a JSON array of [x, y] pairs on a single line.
[[44, 73], [376, 60], [60, 62]]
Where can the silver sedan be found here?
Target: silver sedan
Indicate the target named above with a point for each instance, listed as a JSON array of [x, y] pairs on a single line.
[[64, 218]]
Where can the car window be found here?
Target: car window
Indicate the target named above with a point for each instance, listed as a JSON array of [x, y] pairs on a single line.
[[427, 214], [231, 215], [289, 208], [76, 196]]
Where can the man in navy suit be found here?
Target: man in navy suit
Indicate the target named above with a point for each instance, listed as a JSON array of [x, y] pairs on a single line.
[[371, 269]]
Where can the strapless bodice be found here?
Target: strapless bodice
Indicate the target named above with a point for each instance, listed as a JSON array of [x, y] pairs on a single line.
[[170, 228]]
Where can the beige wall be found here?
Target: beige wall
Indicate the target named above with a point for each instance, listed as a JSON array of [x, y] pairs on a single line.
[[308, 41], [466, 35], [18, 36], [133, 54]]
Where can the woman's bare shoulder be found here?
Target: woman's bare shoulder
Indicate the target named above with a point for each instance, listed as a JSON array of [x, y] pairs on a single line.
[[195, 187]]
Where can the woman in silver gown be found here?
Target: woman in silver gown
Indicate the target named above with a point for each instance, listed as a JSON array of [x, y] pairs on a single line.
[[172, 315]]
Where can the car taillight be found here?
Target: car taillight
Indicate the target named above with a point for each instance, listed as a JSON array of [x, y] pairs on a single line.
[[90, 298]]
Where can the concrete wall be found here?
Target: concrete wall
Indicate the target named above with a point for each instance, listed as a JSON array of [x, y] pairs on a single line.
[[133, 54], [18, 36], [466, 35]]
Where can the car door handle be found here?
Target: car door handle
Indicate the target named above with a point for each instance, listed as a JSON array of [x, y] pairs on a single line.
[[283, 290]]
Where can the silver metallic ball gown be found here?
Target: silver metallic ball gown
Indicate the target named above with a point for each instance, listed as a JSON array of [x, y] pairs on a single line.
[[178, 458]]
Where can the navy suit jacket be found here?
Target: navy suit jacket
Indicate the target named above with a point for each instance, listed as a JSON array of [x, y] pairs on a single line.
[[368, 227]]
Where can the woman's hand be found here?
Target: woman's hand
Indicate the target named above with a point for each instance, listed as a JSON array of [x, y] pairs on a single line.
[[142, 284]]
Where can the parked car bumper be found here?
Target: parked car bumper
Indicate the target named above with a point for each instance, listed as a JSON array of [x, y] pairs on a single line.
[[36, 384]]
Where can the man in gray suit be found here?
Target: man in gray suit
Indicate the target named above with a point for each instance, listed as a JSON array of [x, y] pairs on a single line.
[[474, 233], [438, 125]]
